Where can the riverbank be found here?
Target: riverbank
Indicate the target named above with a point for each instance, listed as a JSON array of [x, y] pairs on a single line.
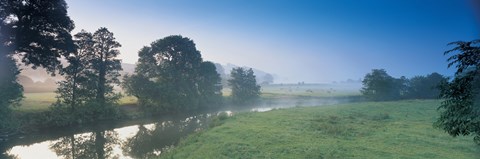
[[401, 129], [33, 110]]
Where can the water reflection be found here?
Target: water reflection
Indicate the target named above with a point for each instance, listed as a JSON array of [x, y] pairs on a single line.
[[147, 143], [97, 144], [138, 141]]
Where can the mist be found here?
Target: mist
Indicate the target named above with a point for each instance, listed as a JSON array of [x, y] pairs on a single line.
[[239, 79]]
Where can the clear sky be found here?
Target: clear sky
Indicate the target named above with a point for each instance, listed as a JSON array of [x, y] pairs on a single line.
[[298, 40]]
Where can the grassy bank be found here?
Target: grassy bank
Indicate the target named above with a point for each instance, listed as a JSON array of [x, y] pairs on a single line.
[[400, 129]]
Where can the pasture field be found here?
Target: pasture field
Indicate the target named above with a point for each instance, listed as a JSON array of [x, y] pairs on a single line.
[[313, 90], [399, 129], [36, 102]]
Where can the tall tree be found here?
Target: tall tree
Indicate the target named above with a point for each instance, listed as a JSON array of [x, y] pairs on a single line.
[[77, 89], [244, 86], [460, 110], [106, 67], [38, 33], [171, 76], [72, 89], [88, 86]]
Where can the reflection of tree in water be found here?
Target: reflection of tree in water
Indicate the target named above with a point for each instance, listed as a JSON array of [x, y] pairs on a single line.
[[152, 142], [98, 145], [5, 149], [6, 155]]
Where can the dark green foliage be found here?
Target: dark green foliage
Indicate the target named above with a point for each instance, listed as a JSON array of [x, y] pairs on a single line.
[[38, 30], [460, 110], [244, 86], [425, 87], [171, 76], [95, 145], [105, 65], [74, 90], [10, 91], [87, 92], [379, 86], [209, 84]]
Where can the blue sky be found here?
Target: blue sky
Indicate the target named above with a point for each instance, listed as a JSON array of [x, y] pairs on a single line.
[[301, 40]]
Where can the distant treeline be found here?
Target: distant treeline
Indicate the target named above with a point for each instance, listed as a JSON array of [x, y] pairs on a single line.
[[378, 85]]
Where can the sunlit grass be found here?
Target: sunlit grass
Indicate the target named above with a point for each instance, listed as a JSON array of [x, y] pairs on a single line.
[[400, 129], [37, 102]]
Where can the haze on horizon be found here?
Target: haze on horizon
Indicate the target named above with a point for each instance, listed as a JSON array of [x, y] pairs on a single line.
[[311, 41]]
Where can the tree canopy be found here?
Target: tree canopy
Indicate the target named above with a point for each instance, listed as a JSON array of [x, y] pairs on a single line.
[[36, 32], [378, 85], [460, 110], [171, 76], [87, 93], [425, 87]]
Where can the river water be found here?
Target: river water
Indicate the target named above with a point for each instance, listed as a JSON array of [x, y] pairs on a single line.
[[133, 139]]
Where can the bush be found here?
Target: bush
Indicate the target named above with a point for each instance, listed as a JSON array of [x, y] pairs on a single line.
[[219, 119]]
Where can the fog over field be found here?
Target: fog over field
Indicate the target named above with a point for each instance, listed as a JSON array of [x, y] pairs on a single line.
[[239, 79], [315, 42]]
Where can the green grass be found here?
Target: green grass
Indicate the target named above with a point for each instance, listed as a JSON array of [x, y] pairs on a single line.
[[314, 90], [37, 102], [400, 129]]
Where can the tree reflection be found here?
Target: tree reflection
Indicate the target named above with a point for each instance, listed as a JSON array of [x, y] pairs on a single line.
[[5, 149], [147, 143], [95, 145], [6, 155], [140, 145]]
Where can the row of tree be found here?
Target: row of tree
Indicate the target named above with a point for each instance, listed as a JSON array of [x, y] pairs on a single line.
[[378, 85], [460, 108], [172, 76], [87, 92]]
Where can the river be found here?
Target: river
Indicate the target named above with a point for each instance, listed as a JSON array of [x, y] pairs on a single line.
[[144, 138]]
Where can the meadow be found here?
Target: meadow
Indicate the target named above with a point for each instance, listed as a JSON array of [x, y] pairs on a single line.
[[399, 129], [38, 102], [311, 90]]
